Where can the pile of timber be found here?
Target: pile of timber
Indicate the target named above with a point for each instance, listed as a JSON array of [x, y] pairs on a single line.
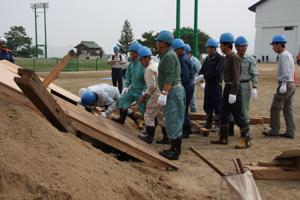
[[286, 166]]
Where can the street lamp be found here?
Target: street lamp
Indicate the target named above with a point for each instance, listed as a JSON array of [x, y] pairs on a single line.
[[35, 6]]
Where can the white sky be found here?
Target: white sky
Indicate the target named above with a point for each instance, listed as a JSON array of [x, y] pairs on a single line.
[[71, 21]]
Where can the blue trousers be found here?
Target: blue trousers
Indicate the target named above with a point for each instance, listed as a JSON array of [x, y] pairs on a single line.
[[116, 75], [189, 91], [212, 99]]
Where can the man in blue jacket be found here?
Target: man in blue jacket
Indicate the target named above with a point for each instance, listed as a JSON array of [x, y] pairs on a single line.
[[5, 54]]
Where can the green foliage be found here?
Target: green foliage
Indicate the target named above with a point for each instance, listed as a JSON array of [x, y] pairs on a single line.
[[126, 39], [18, 41], [149, 41], [189, 39], [32, 51]]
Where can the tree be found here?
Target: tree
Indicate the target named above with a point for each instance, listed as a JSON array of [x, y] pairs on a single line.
[[32, 51], [18, 41], [149, 41], [126, 38], [189, 39]]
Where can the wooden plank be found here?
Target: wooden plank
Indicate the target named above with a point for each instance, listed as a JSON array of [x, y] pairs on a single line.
[[290, 163], [34, 89], [58, 68], [203, 131], [289, 154], [197, 116], [297, 162], [256, 120]]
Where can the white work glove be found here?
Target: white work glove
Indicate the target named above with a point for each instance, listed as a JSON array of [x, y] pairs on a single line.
[[143, 93], [254, 94], [124, 91], [103, 114], [78, 101], [282, 89], [232, 98], [202, 86], [162, 100], [199, 78]]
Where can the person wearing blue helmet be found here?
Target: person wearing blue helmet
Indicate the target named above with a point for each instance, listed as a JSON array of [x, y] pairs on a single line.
[[249, 73], [153, 109], [117, 61], [172, 95], [211, 72], [232, 95], [283, 98], [196, 66], [135, 79], [187, 80]]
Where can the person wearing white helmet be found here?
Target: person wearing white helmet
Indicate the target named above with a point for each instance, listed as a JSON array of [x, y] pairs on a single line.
[[5, 54], [117, 61], [284, 96]]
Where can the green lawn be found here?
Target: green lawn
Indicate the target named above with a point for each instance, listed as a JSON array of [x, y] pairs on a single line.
[[46, 65]]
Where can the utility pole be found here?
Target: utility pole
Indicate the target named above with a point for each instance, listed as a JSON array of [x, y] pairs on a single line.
[[178, 20]]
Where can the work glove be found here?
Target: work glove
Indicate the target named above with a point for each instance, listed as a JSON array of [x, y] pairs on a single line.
[[162, 100], [202, 86], [282, 89], [143, 93], [78, 101], [232, 98], [143, 98], [254, 94], [124, 91], [199, 78], [103, 114]]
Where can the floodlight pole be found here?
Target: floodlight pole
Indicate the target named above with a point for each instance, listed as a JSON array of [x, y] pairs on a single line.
[[178, 20], [196, 30], [45, 32], [36, 41]]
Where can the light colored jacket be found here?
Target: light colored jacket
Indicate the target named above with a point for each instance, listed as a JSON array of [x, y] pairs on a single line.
[[150, 77]]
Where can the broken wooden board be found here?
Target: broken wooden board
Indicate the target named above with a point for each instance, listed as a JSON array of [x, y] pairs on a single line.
[[203, 131], [122, 137]]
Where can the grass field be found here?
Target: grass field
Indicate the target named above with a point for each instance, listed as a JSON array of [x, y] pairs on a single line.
[[46, 65]]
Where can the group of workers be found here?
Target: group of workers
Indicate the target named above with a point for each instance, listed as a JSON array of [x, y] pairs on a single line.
[[164, 92]]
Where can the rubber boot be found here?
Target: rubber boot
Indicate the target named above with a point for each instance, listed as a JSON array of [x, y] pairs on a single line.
[[209, 119], [136, 120], [148, 135], [165, 139], [223, 135], [217, 124], [245, 139], [187, 129], [122, 118], [231, 128], [175, 151]]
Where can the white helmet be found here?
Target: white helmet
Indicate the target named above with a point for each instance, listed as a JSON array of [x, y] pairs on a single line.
[[3, 40]]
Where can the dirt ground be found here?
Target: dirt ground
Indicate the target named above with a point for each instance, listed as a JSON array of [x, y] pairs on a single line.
[[39, 162]]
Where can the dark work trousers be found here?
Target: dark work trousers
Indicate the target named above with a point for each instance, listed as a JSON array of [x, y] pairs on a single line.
[[213, 99], [235, 109], [189, 92], [116, 74]]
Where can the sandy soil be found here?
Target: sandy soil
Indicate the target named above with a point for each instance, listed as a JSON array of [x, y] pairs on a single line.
[[39, 162]]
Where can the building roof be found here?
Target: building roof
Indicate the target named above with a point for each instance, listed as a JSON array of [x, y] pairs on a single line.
[[253, 7], [89, 44]]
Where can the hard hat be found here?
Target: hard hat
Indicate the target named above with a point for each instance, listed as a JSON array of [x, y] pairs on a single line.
[[279, 38], [3, 40], [88, 99], [178, 43], [226, 37], [116, 48], [212, 43], [187, 48], [165, 36], [144, 51], [241, 40], [135, 46], [82, 91]]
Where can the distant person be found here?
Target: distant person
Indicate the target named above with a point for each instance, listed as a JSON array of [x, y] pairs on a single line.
[[5, 54], [283, 98], [117, 61], [262, 59], [267, 59], [212, 72], [298, 59], [196, 65]]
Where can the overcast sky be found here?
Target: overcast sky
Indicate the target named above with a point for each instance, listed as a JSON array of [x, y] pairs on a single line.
[[71, 21]]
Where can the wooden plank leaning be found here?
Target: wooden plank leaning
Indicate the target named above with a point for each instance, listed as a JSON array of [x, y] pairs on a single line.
[[34, 89]]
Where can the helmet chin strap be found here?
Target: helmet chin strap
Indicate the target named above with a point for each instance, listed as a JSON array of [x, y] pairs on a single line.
[[159, 47]]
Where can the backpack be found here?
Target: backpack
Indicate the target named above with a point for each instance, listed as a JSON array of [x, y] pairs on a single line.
[[113, 57]]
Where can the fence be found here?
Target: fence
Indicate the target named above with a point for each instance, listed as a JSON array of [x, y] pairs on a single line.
[[46, 65]]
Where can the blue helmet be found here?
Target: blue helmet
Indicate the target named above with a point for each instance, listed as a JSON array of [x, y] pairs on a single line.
[[212, 43], [116, 48], [135, 46], [88, 99], [178, 43], [165, 36], [187, 48], [241, 40], [279, 38], [144, 51], [226, 37]]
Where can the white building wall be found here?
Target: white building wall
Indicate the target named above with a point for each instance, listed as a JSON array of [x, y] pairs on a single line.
[[271, 18]]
